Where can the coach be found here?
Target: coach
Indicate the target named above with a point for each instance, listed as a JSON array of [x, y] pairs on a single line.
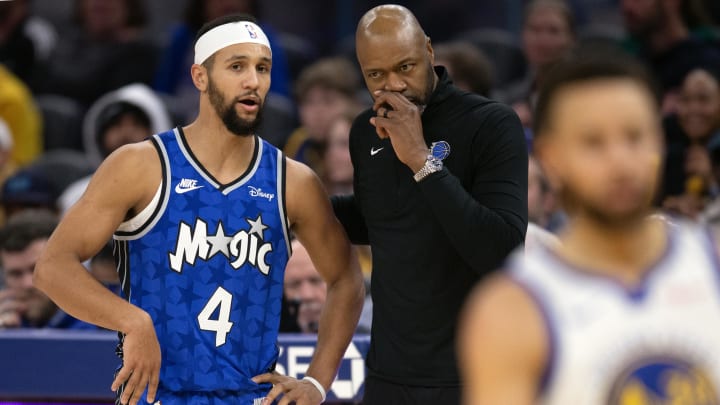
[[440, 195]]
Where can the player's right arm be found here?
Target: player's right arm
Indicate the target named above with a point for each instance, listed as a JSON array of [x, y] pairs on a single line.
[[502, 345], [124, 183]]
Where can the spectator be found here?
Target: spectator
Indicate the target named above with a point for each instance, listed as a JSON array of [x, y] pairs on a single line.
[[24, 40], [28, 189], [660, 37], [102, 266], [467, 66], [305, 287], [127, 115], [323, 91], [548, 34], [18, 111], [21, 304], [305, 291], [102, 52], [7, 167], [688, 178], [337, 168], [171, 77]]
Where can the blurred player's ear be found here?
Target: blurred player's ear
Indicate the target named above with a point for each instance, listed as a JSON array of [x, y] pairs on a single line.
[[199, 77], [547, 158]]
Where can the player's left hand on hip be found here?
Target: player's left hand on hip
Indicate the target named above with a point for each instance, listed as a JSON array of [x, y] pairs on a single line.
[[295, 391], [402, 124]]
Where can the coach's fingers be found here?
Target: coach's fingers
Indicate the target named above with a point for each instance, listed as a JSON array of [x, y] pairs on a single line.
[[382, 133]]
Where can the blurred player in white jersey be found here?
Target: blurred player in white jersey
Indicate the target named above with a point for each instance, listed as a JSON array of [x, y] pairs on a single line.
[[626, 310]]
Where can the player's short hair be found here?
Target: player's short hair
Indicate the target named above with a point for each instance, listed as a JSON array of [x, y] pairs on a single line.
[[585, 66]]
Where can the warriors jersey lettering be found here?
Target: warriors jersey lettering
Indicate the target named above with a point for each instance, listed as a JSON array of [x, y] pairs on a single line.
[[207, 262], [653, 344]]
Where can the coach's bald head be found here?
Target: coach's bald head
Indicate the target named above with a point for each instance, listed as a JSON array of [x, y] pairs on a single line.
[[394, 53]]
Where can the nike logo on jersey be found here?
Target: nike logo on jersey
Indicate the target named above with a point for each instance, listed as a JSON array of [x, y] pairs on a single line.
[[374, 151], [186, 185]]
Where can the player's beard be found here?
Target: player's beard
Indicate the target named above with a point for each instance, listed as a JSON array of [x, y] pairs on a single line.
[[229, 116], [599, 213]]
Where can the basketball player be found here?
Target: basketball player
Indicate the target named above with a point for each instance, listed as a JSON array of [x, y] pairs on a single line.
[[626, 309], [200, 217]]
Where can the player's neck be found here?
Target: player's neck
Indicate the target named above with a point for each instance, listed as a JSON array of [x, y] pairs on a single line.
[[224, 154], [624, 252]]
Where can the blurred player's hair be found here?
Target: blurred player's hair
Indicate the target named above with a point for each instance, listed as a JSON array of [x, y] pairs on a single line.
[[586, 65]]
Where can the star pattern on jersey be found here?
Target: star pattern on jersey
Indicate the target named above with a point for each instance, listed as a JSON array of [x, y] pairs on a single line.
[[256, 226], [219, 243]]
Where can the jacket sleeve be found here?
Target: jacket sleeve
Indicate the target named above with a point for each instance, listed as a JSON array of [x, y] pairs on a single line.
[[488, 221], [349, 215]]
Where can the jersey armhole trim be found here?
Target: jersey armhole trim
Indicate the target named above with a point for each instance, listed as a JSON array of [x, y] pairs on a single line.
[[281, 180], [550, 331], [137, 226], [710, 242]]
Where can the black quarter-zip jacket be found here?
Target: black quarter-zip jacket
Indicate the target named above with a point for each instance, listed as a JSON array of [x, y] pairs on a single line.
[[433, 240]]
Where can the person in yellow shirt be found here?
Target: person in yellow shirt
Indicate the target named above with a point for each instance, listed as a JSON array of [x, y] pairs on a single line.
[[22, 117]]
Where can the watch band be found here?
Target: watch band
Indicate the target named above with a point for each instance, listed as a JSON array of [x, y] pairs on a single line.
[[432, 165]]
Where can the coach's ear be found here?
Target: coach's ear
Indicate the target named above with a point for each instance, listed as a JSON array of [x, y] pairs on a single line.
[[199, 76]]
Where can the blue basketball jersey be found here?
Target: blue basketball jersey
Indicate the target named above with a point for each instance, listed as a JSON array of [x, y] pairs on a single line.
[[207, 261]]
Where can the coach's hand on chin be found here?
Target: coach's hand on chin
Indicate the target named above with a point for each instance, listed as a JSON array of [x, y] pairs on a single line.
[[299, 392]]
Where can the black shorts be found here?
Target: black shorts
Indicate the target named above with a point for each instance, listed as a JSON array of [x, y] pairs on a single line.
[[380, 392]]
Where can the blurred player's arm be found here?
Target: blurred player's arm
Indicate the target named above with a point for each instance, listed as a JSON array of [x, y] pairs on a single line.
[[315, 225], [122, 183], [502, 345]]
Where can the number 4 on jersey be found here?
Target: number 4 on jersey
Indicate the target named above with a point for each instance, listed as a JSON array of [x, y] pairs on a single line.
[[221, 326]]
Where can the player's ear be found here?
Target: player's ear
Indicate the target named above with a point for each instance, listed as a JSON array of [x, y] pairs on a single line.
[[545, 155], [199, 76]]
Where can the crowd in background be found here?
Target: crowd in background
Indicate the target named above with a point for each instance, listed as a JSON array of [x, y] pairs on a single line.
[[80, 78]]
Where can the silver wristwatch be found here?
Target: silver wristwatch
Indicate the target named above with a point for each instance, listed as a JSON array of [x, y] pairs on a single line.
[[432, 165]]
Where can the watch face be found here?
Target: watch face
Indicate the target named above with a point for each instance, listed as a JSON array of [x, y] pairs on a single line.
[[440, 150]]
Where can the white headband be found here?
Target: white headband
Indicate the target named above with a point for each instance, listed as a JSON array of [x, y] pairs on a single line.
[[228, 34]]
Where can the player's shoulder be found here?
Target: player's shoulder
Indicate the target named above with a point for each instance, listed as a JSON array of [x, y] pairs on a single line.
[[134, 162], [298, 173], [134, 155]]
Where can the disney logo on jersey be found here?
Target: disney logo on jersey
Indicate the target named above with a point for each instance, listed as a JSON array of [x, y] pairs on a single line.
[[245, 246], [257, 192]]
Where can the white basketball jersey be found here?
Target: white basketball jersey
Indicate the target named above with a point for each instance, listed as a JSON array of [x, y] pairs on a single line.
[[658, 343]]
